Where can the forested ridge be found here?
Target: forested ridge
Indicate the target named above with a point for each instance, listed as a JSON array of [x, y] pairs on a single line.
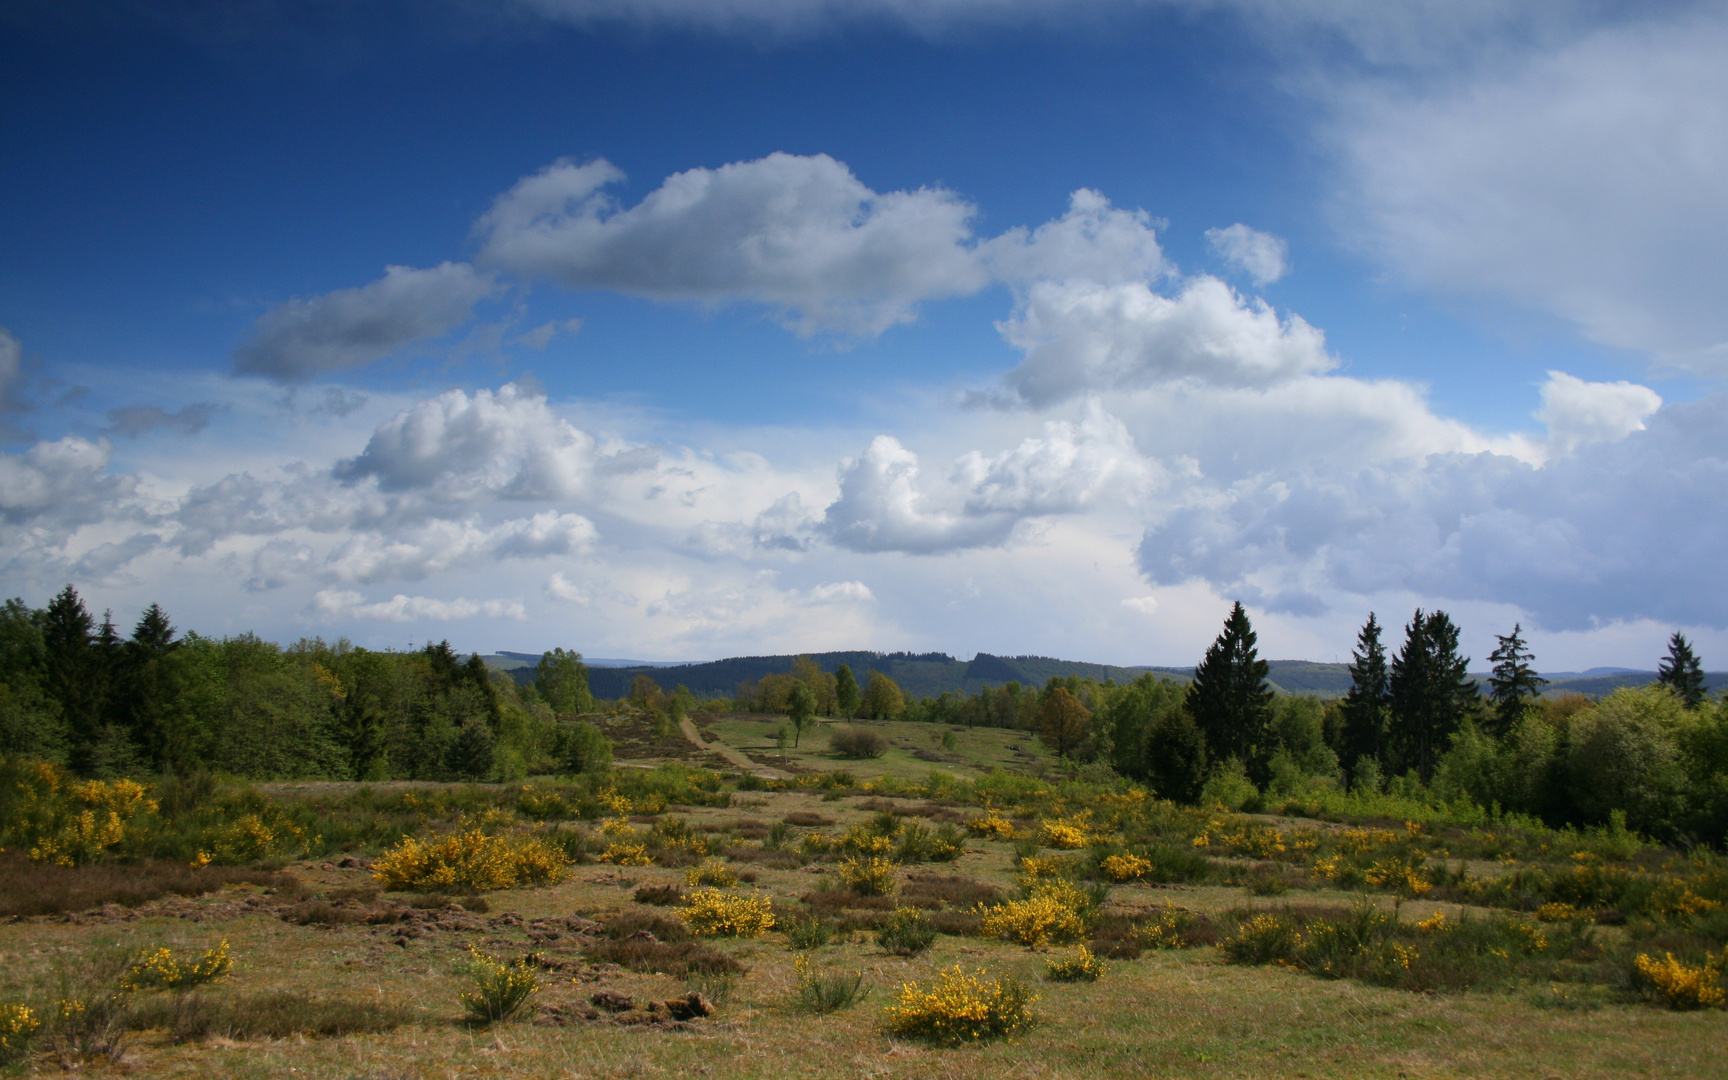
[[1412, 724]]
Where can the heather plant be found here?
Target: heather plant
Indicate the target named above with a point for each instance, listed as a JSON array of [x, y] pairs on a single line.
[[499, 990], [960, 1008]]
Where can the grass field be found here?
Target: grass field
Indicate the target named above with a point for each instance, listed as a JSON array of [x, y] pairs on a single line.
[[330, 946], [914, 749]]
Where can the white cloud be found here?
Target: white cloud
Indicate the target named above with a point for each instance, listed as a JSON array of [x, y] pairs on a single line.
[[1144, 605], [334, 604], [1081, 338], [1093, 241], [351, 327], [560, 587], [65, 482], [459, 447], [1583, 180], [11, 371], [840, 592], [1578, 412], [1262, 256], [136, 420], [799, 234]]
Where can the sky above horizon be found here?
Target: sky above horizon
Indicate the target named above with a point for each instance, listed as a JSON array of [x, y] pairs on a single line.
[[681, 329]]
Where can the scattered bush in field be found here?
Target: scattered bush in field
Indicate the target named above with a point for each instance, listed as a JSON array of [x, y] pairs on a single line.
[[1265, 881], [823, 994], [627, 924], [1081, 967], [1125, 867], [681, 960], [1061, 834], [659, 895], [712, 913], [993, 826], [28, 888], [18, 1025], [91, 1001], [500, 990], [471, 860], [873, 876], [807, 819], [1053, 912], [61, 820], [857, 742], [277, 1014], [712, 872], [158, 969], [918, 843], [907, 932], [1262, 939], [960, 1008], [1683, 986], [934, 892], [809, 933]]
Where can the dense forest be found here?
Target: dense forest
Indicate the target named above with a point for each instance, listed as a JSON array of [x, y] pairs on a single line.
[[1411, 722]]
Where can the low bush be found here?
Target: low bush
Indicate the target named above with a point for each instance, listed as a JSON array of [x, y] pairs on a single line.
[[160, 969], [1262, 939], [935, 892], [499, 990], [960, 1008], [660, 895], [808, 933], [907, 932], [712, 913], [857, 742], [872, 876], [627, 924], [470, 859], [277, 1014], [28, 888], [1081, 967], [823, 994], [1683, 986], [18, 1025], [1053, 911], [807, 819], [712, 872], [682, 960]]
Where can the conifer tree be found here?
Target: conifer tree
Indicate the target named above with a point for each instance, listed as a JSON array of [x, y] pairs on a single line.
[[1681, 671], [1229, 698], [846, 691], [1368, 705], [70, 675], [1513, 681], [1431, 691]]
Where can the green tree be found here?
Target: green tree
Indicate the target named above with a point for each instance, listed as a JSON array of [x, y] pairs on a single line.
[[1062, 721], [801, 710], [1680, 671], [846, 692], [562, 680], [882, 697], [1431, 691], [1513, 682], [586, 749], [645, 694], [30, 721], [1367, 706], [1229, 698]]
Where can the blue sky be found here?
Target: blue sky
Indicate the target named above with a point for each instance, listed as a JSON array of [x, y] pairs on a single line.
[[680, 329]]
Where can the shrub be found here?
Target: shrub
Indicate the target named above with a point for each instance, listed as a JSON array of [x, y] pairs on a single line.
[[1125, 867], [620, 853], [1081, 967], [1262, 939], [18, 1025], [807, 819], [1053, 912], [712, 913], [959, 1008], [28, 888], [993, 826], [907, 932], [823, 994], [1061, 834], [471, 860], [276, 1014], [857, 742], [659, 895], [810, 933], [158, 969], [873, 876], [1684, 986], [918, 843], [712, 872], [681, 961], [500, 989]]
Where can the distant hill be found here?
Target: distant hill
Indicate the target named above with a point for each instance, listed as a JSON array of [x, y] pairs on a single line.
[[928, 674]]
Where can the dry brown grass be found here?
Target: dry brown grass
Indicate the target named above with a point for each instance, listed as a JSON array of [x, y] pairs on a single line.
[[28, 888]]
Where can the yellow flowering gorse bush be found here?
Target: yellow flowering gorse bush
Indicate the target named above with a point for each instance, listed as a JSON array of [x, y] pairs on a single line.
[[472, 860], [1684, 986], [159, 969], [960, 1008], [1052, 913], [1125, 867], [873, 876], [712, 913]]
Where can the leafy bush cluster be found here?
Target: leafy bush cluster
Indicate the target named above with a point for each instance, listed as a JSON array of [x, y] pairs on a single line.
[[499, 990], [470, 859], [1683, 986], [822, 994], [907, 932], [712, 913], [1053, 911], [959, 1008], [1083, 966]]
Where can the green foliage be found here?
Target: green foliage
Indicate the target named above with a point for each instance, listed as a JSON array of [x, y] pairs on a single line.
[[810, 933], [1229, 698], [1431, 691], [846, 695], [882, 698], [907, 932], [854, 741], [1513, 682], [562, 681], [498, 990], [822, 994], [1083, 966], [1681, 672]]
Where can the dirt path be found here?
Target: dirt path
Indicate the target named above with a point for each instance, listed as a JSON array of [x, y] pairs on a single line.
[[736, 757]]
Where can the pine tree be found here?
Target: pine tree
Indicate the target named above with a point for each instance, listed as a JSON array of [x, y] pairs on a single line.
[[1229, 698], [1431, 691], [146, 692], [70, 675], [1368, 705], [846, 691], [1681, 672], [1513, 681]]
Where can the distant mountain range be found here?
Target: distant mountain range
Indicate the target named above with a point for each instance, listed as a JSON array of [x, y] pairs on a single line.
[[929, 674]]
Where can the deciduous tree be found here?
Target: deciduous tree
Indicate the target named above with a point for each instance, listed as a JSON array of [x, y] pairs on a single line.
[[1062, 720]]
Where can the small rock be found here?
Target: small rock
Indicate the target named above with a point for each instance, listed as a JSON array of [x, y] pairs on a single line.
[[689, 1007]]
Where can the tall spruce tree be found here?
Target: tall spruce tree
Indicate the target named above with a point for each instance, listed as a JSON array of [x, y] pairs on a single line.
[[1431, 691], [1229, 698], [1513, 681], [1682, 672], [71, 675], [1368, 705]]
